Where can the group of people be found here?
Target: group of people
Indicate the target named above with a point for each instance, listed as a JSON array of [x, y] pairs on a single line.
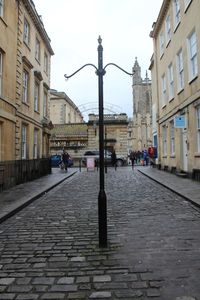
[[142, 157]]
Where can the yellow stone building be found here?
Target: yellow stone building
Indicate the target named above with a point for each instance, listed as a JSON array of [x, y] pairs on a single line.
[[63, 110], [175, 67], [25, 56]]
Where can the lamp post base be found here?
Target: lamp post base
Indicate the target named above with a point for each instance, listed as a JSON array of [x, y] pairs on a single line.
[[102, 210]]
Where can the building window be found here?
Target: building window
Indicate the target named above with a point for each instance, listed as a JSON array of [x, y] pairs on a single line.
[[180, 71], [198, 128], [172, 138], [171, 81], [36, 96], [26, 32], [1, 7], [164, 140], [162, 43], [192, 54], [164, 90], [25, 86], [37, 49], [24, 141], [45, 63], [168, 29], [1, 72], [177, 13], [187, 2], [35, 144], [45, 99]]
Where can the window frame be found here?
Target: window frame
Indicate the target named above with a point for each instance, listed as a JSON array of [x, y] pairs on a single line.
[[164, 140], [168, 32], [180, 70], [37, 49], [163, 90], [198, 127], [26, 36], [1, 72], [26, 82], [171, 81], [172, 138], [162, 43], [192, 57], [177, 13], [187, 3], [46, 63], [36, 95], [24, 141], [1, 8], [45, 103], [35, 143]]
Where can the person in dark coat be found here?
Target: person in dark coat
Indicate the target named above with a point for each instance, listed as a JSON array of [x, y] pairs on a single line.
[[132, 159], [114, 159], [65, 159]]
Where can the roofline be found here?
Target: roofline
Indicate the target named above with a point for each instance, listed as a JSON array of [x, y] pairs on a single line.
[[30, 6], [162, 12]]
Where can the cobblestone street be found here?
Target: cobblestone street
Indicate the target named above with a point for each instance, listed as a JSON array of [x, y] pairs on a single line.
[[49, 250]]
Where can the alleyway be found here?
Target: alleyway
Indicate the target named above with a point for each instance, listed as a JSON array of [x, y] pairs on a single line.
[[49, 250]]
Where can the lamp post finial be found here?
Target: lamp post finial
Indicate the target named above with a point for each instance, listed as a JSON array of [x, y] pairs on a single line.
[[100, 40]]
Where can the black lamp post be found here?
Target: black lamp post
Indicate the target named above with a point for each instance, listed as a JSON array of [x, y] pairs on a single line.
[[102, 201]]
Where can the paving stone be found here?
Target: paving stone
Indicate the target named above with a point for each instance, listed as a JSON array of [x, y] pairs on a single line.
[[78, 295], [83, 279], [7, 296], [66, 280], [44, 280], [185, 298], [53, 296], [6, 281], [103, 278], [78, 258], [102, 295], [63, 288], [27, 297]]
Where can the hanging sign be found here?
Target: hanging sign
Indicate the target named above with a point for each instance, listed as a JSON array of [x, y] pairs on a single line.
[[179, 122]]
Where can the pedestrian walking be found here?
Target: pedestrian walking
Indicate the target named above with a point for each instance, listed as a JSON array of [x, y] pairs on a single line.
[[114, 159], [65, 159], [132, 159]]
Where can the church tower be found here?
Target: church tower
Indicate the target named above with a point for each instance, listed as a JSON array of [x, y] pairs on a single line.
[[142, 114]]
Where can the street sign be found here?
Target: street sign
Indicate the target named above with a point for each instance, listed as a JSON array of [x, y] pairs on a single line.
[[179, 122]]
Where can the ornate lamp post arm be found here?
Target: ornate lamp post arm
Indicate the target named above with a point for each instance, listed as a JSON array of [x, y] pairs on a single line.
[[112, 64], [86, 65]]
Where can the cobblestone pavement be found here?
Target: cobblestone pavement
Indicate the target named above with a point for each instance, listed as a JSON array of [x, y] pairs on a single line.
[[49, 250]]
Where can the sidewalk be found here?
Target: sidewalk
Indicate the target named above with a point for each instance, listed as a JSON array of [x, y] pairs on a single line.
[[187, 188], [19, 196]]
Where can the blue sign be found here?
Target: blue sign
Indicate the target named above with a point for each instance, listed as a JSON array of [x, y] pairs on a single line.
[[180, 122]]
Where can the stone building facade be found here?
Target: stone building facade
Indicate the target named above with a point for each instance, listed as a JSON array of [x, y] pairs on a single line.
[[175, 70], [142, 110], [80, 137], [115, 132], [25, 54], [63, 110]]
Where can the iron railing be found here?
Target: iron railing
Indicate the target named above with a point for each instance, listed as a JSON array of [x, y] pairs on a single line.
[[20, 171]]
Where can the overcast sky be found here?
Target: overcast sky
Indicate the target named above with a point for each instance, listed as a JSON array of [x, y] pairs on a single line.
[[74, 26]]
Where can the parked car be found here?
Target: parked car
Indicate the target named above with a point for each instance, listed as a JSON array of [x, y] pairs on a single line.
[[121, 160], [56, 159]]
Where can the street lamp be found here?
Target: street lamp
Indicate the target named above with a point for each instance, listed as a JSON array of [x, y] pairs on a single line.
[[102, 201]]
